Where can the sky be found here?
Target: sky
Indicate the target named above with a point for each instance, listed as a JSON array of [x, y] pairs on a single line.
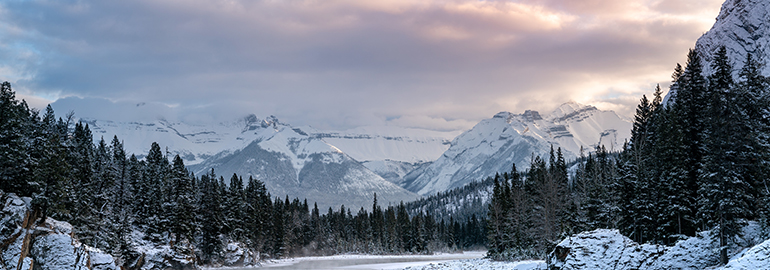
[[339, 64]]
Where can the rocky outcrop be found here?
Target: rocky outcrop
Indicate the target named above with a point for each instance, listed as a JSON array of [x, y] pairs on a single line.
[[27, 242], [743, 27], [237, 254], [608, 249]]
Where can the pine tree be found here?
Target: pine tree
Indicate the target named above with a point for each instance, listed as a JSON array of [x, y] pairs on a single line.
[[496, 222], [234, 209], [158, 197], [183, 196], [53, 185], [211, 219], [636, 184], [140, 188], [258, 214], [122, 202], [682, 152], [725, 193], [278, 249], [754, 88], [15, 161], [548, 196]]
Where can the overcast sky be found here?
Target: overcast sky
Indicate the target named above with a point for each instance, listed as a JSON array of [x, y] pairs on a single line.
[[345, 63]]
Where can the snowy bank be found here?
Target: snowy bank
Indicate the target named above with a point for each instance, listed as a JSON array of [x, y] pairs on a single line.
[[608, 249]]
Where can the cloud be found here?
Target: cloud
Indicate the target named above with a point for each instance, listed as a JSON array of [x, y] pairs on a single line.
[[346, 63]]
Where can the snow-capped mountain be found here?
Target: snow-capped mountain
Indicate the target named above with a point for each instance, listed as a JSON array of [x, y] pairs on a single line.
[[493, 145], [348, 167], [743, 27], [391, 152], [294, 163]]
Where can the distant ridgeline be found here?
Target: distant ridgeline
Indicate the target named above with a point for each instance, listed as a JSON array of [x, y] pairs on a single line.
[[698, 162], [126, 206]]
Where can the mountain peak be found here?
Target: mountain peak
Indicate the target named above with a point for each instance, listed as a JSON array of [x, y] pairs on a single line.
[[743, 27], [570, 109], [271, 121], [494, 144]]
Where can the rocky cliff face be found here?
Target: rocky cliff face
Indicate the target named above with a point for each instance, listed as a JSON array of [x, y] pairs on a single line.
[[743, 27], [28, 242]]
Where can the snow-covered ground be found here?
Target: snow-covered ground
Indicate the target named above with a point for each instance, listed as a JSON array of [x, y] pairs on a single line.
[[482, 264], [370, 262], [447, 261]]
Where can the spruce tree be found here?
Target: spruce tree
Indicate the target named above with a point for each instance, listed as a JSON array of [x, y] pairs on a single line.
[[726, 194], [211, 219], [755, 88], [158, 197], [15, 161], [183, 196]]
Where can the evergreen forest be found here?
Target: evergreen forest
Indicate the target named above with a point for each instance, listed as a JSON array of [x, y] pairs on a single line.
[[116, 201], [695, 162]]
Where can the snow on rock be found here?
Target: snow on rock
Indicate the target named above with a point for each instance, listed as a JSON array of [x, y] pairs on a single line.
[[59, 251], [601, 249], [482, 264], [743, 27], [237, 254], [758, 257], [27, 243], [153, 256], [608, 249], [696, 252]]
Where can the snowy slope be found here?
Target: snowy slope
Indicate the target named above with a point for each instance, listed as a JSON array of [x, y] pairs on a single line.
[[743, 27], [193, 142], [389, 151], [198, 137], [378, 143], [493, 145]]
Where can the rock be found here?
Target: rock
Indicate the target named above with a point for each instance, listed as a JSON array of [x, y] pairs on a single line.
[[608, 249], [601, 249], [758, 257], [237, 254], [27, 243]]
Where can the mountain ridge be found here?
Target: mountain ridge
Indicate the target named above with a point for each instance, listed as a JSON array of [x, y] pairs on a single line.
[[495, 144]]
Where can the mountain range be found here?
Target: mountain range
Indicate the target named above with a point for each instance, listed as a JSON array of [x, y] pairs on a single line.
[[493, 145], [348, 167]]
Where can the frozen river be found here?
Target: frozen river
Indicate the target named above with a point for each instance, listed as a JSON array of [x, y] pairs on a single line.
[[364, 262]]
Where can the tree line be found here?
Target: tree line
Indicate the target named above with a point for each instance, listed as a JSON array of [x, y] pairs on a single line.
[[694, 163], [117, 201]]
